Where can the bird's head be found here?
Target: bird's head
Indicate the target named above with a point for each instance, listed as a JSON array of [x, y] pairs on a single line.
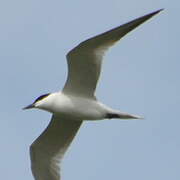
[[39, 103]]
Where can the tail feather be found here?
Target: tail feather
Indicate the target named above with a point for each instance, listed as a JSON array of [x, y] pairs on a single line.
[[122, 116]]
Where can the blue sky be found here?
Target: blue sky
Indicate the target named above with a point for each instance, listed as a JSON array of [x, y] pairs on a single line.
[[140, 75]]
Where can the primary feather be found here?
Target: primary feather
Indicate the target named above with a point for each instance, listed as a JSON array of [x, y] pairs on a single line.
[[85, 60], [48, 149]]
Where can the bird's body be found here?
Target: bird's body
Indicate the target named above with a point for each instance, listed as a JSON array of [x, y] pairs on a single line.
[[76, 102], [77, 107]]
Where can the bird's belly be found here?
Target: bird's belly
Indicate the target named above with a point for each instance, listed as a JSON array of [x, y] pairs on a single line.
[[80, 109]]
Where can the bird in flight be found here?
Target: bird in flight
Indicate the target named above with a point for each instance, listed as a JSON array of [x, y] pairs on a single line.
[[76, 102]]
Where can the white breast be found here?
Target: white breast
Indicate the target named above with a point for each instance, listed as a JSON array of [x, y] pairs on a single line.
[[77, 107]]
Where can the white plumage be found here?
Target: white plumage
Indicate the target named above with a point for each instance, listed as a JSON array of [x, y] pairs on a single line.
[[76, 102]]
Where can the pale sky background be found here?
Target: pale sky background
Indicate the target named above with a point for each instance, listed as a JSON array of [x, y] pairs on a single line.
[[140, 75]]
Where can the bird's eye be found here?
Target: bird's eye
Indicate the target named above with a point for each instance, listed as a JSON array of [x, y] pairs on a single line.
[[41, 97]]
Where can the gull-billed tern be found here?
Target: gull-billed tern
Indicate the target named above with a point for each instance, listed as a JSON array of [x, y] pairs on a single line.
[[76, 102]]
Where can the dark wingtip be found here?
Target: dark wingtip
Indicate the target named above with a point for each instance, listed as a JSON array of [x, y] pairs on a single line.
[[158, 11], [147, 16]]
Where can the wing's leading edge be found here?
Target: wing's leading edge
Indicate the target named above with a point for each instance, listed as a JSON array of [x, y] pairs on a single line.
[[84, 61], [48, 149]]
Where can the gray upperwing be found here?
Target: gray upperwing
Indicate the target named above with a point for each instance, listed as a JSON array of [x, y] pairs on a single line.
[[84, 61]]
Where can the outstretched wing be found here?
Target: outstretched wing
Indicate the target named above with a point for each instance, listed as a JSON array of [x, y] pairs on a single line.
[[48, 149], [84, 61]]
